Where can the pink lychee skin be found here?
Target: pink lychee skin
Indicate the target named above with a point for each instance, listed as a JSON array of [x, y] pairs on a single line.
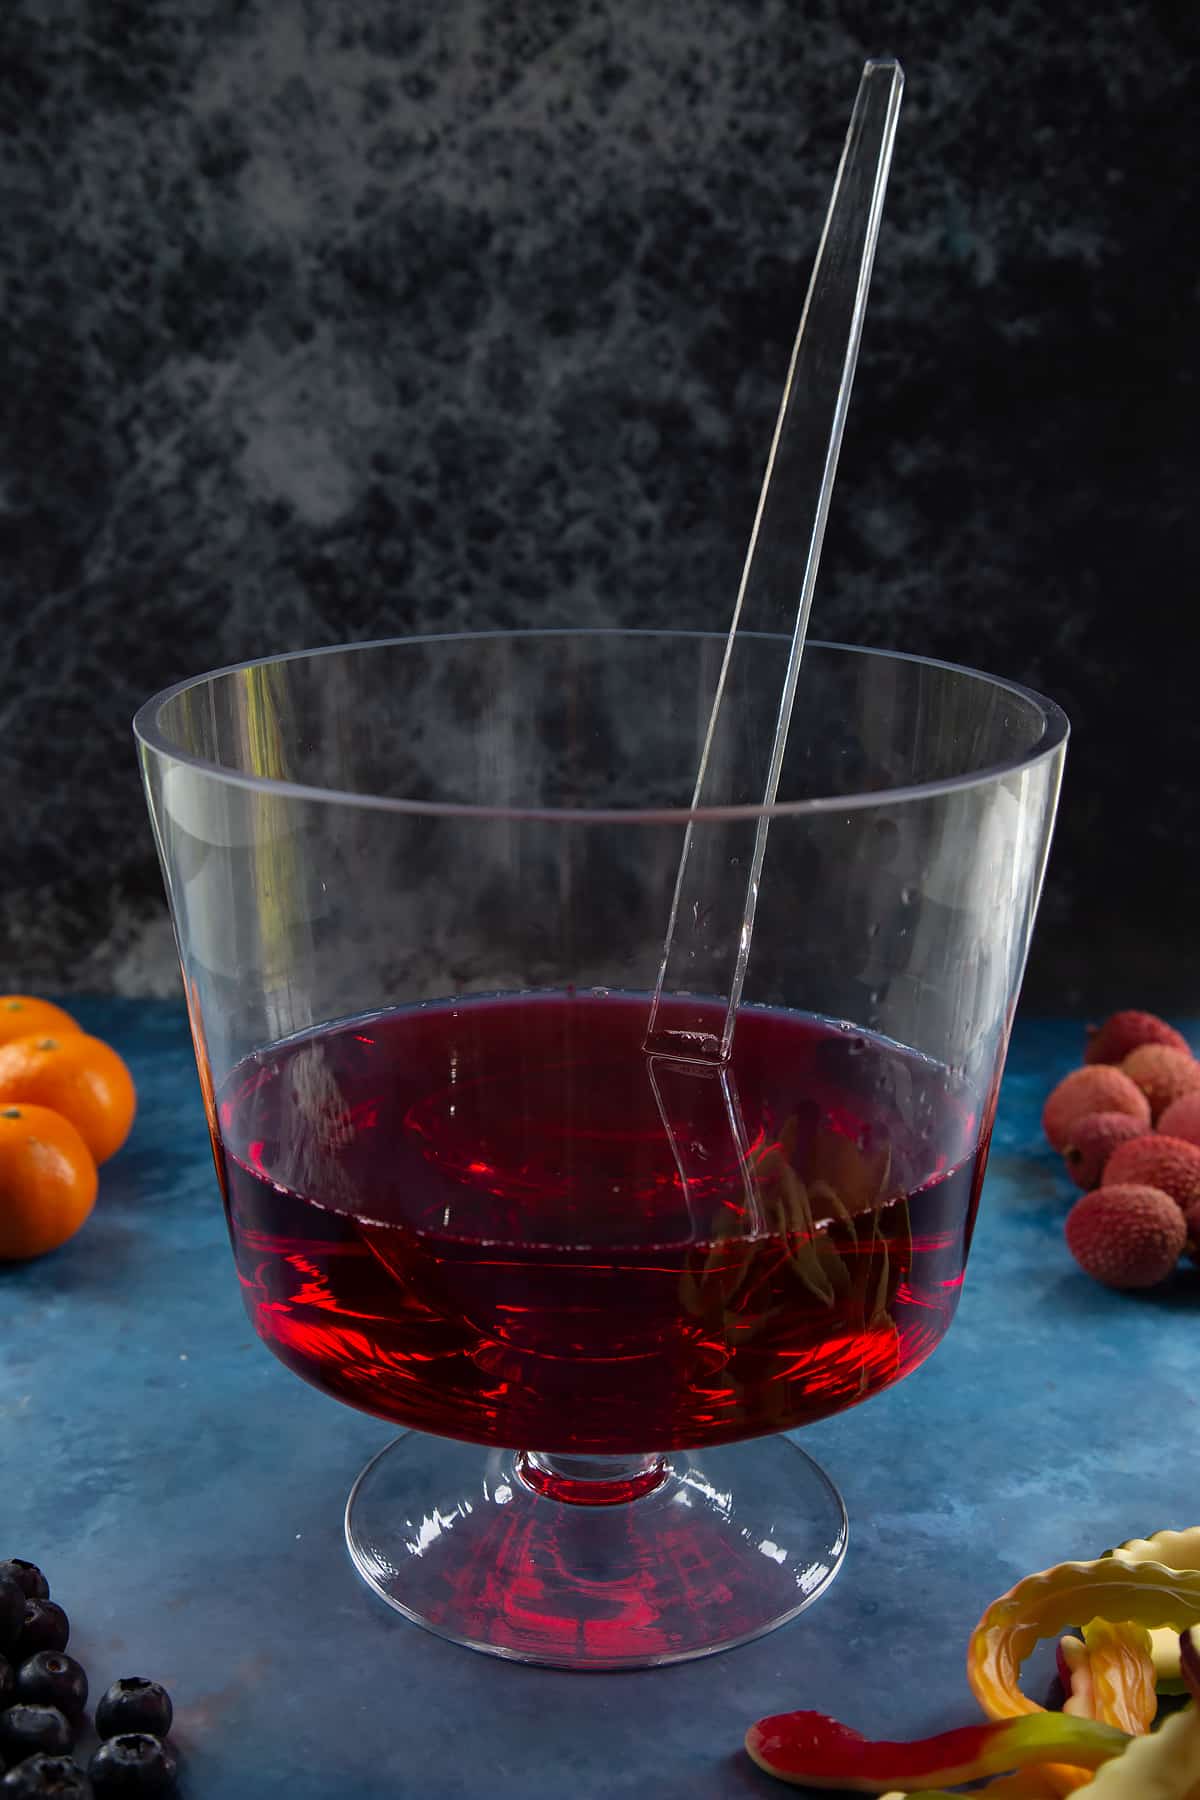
[[1126, 1236], [1093, 1140], [1152, 1160], [1191, 1219], [1126, 1031], [1083, 1091], [1182, 1119], [1164, 1075]]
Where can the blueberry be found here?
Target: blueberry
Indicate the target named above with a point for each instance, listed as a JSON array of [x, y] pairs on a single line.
[[12, 1612], [135, 1704], [28, 1577], [49, 1775], [53, 1679], [24, 1730], [135, 1763], [7, 1683], [46, 1627]]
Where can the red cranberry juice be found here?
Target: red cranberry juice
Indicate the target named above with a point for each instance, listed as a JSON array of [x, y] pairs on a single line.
[[496, 1219]]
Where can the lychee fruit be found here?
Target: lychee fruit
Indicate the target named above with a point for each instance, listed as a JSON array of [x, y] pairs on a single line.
[[1092, 1141], [1162, 1074], [1084, 1091], [1126, 1236], [1155, 1161], [1191, 1220], [1182, 1119], [1126, 1031]]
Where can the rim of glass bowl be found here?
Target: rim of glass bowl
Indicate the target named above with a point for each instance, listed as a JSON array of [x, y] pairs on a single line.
[[1055, 730]]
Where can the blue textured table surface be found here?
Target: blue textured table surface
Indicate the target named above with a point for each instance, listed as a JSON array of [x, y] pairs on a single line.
[[185, 1494]]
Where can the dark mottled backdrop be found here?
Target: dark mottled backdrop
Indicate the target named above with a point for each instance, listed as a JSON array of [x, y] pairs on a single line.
[[325, 321]]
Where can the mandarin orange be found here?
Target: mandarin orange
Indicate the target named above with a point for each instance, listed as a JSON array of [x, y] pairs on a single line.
[[21, 1014], [75, 1075], [47, 1181]]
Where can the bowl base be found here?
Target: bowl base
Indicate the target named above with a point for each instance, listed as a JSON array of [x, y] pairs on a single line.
[[725, 1545]]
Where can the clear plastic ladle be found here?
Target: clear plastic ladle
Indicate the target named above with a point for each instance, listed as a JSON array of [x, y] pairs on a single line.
[[712, 916]]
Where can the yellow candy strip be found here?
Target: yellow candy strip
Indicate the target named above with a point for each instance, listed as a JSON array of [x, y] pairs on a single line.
[[1112, 1678], [1179, 1550], [1073, 1657], [1163, 1766], [1148, 1594], [1122, 1669], [1120, 1673], [1111, 1675]]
